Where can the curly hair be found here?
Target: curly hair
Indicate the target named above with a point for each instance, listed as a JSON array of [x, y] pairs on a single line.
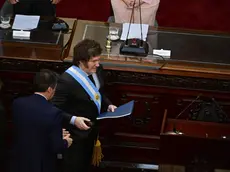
[[85, 50]]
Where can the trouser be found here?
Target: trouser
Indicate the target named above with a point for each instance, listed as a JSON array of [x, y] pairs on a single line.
[[41, 8], [78, 156]]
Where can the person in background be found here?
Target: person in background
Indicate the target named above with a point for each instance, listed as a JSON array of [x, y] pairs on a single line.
[[35, 7], [3, 126], [38, 128], [122, 10], [80, 91], [7, 9]]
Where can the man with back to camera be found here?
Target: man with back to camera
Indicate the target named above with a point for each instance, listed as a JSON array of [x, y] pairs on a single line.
[[80, 91], [3, 129], [38, 128], [35, 7]]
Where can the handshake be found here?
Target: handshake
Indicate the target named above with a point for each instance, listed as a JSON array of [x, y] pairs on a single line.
[[66, 136]]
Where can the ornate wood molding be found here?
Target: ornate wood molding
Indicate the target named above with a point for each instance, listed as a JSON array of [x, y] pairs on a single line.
[[182, 82], [126, 77], [31, 65]]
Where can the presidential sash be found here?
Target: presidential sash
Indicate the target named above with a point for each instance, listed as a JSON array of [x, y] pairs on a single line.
[[81, 77]]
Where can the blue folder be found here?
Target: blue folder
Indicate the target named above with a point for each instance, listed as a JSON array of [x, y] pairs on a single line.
[[121, 111]]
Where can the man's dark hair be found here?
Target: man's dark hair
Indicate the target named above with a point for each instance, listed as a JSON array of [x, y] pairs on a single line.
[[45, 79], [85, 50]]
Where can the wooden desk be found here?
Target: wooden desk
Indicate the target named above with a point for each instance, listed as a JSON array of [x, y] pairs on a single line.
[[129, 142], [43, 44], [201, 146], [194, 53]]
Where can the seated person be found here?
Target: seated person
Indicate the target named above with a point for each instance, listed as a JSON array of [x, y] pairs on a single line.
[[7, 8], [123, 9], [35, 7], [2, 134]]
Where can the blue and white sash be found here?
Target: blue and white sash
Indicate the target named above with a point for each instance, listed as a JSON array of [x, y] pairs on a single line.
[[81, 77]]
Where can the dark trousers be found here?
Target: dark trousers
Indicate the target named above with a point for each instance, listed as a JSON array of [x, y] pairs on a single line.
[[78, 156], [41, 8], [3, 146]]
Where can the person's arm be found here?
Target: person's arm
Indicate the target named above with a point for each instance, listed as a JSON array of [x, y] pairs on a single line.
[[63, 92], [57, 143], [148, 1], [126, 2], [137, 5], [2, 133], [55, 1], [106, 104], [60, 99], [11, 2]]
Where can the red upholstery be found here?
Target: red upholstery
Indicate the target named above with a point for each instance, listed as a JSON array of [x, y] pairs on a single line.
[[1, 2], [195, 14], [84, 9]]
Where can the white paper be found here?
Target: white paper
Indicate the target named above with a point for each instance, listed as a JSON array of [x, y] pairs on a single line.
[[135, 31], [25, 22], [21, 34], [164, 53]]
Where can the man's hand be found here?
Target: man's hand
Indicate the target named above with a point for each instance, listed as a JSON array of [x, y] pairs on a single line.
[[13, 1], [68, 139], [128, 3], [111, 108], [80, 122], [64, 132], [55, 1], [136, 5]]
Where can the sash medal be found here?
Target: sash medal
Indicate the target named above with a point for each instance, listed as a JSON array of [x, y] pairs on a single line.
[[81, 77]]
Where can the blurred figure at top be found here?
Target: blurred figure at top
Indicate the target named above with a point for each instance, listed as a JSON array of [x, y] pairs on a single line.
[[123, 9]]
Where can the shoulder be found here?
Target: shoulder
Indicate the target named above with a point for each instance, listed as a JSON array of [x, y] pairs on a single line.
[[20, 103], [66, 79], [20, 100]]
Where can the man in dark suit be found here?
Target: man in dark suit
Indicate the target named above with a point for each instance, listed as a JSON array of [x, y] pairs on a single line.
[[38, 128], [3, 126], [80, 92], [35, 7]]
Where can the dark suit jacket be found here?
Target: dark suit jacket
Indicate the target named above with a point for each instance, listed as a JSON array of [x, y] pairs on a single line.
[[38, 135], [71, 97], [3, 147]]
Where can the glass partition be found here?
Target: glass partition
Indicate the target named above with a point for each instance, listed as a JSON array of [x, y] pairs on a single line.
[[186, 47]]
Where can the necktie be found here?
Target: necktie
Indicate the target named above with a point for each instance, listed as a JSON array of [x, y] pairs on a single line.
[[91, 78]]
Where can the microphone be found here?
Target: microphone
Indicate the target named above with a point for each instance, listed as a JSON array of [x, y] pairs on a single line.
[[190, 104], [225, 117], [135, 46]]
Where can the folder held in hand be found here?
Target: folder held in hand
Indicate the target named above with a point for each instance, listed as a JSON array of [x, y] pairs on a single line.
[[121, 111]]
